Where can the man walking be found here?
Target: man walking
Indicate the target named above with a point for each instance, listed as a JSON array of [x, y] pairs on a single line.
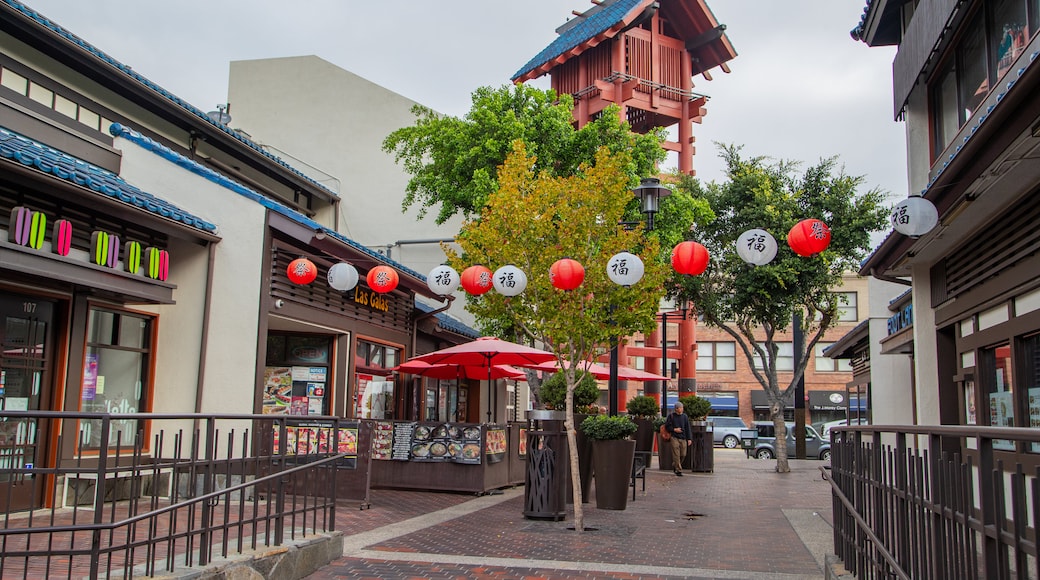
[[678, 424]]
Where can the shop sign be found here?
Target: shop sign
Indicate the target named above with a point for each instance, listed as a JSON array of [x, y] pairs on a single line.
[[902, 319], [29, 228], [371, 298]]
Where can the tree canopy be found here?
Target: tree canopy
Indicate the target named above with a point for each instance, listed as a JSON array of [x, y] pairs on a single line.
[[754, 303], [453, 162]]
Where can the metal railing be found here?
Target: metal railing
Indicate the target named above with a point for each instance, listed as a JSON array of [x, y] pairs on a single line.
[[936, 502], [134, 494]]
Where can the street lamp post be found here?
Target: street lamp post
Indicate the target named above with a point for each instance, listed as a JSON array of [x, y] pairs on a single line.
[[649, 192]]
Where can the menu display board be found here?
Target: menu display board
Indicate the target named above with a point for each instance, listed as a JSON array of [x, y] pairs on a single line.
[[383, 440], [446, 442], [402, 436], [314, 438], [495, 445]]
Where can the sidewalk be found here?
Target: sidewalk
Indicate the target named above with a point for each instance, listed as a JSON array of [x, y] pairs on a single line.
[[742, 521]]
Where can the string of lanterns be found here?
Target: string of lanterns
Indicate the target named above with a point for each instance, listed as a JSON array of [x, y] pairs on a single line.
[[756, 247]]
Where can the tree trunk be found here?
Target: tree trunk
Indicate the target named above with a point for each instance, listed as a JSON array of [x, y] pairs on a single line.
[[572, 444], [780, 428]]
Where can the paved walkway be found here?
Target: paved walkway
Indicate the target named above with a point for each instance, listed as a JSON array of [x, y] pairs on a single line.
[[744, 521]]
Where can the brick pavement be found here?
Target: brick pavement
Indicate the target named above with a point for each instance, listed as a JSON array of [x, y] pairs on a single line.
[[742, 521]]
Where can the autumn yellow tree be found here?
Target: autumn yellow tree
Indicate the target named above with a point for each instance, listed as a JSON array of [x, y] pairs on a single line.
[[534, 219]]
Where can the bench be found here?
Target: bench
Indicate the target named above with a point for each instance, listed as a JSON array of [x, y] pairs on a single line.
[[640, 461]]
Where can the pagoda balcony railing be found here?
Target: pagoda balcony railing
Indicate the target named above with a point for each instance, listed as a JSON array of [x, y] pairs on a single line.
[[645, 85]]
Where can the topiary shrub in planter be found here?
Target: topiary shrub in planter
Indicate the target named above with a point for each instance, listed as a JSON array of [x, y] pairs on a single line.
[[612, 455], [553, 392], [701, 454], [643, 409], [696, 408]]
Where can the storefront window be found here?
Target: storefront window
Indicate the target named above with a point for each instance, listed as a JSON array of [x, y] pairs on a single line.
[[1031, 381], [115, 373], [297, 375], [995, 372], [374, 382]]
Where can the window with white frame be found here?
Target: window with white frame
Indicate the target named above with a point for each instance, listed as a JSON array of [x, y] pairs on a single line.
[[825, 364], [784, 357], [716, 356]]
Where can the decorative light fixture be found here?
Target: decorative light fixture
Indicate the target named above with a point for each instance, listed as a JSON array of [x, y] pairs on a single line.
[[650, 192], [625, 269], [757, 247], [382, 279], [915, 216], [566, 274], [476, 280], [509, 280], [690, 258], [301, 271], [343, 276], [809, 237], [443, 280]]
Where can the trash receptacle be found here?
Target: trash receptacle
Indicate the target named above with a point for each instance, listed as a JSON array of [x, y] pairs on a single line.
[[548, 463], [703, 447]]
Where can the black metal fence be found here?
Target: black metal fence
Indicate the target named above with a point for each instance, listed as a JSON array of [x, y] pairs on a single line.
[[936, 502], [99, 495]]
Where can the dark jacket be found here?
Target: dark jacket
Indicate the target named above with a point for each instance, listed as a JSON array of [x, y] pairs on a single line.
[[678, 420]]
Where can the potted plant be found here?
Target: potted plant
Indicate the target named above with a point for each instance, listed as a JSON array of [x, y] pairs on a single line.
[[643, 410], [553, 393], [613, 450]]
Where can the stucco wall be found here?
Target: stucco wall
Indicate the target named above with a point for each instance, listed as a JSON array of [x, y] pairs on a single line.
[[232, 344]]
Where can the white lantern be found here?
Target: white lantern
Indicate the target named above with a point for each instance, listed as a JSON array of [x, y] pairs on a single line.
[[914, 216], [443, 280], [625, 269], [343, 276], [509, 280], [756, 247]]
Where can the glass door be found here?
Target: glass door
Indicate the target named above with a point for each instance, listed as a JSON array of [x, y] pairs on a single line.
[[25, 322]]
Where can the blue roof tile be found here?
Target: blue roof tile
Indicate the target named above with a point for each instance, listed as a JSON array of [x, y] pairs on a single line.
[[68, 168], [593, 25], [38, 18]]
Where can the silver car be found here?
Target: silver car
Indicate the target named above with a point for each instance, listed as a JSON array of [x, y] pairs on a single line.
[[727, 430], [765, 445]]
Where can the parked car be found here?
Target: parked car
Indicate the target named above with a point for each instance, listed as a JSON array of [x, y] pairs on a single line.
[[826, 429], [765, 447], [727, 430]]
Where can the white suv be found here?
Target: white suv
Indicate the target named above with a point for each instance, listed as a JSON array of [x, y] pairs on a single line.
[[727, 430]]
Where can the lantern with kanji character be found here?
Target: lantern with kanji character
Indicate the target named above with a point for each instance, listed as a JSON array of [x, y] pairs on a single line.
[[301, 271], [690, 258], [443, 280], [343, 276], [915, 216], [625, 269], [382, 279], [566, 274], [756, 247], [476, 280], [509, 280], [809, 237]]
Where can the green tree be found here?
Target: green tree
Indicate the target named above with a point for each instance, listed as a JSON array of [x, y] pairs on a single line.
[[534, 219], [754, 303], [454, 162]]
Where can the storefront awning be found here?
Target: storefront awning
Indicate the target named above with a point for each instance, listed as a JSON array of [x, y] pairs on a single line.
[[759, 400], [723, 403], [834, 401]]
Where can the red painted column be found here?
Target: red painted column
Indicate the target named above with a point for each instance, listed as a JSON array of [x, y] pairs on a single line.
[[688, 356], [652, 364], [622, 385]]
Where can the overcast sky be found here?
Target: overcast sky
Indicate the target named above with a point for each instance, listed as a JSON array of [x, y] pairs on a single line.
[[800, 87]]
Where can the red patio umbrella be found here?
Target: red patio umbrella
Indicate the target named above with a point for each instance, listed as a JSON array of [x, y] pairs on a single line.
[[602, 372], [485, 353], [454, 371]]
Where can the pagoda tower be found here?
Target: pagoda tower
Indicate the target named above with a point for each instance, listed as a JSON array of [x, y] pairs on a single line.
[[641, 55]]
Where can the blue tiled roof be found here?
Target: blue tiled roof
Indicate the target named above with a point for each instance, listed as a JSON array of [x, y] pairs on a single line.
[[593, 25], [860, 29], [224, 181], [43, 21], [66, 167], [449, 322]]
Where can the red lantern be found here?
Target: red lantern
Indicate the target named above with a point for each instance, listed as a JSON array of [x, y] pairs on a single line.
[[690, 258], [302, 271], [382, 279], [477, 280], [566, 274], [809, 237]]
